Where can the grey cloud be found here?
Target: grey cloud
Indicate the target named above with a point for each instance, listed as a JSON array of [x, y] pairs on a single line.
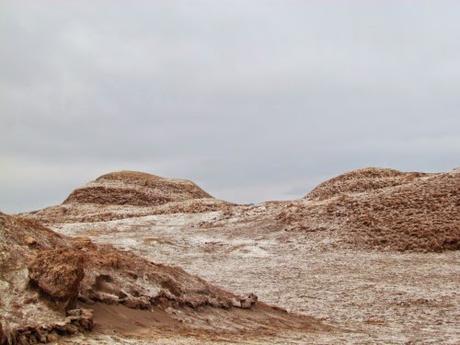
[[253, 100]]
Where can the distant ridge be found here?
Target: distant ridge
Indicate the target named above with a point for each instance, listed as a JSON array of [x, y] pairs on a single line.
[[370, 208]]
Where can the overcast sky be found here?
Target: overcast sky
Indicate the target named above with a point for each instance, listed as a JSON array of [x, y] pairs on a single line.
[[253, 100]]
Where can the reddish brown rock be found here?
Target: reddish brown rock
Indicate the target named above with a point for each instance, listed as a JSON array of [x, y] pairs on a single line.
[[135, 188], [58, 273], [384, 209]]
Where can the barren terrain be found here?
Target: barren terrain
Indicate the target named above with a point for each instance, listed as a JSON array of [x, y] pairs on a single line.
[[370, 257], [374, 297]]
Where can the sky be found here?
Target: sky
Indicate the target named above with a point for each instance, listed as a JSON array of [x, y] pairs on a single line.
[[252, 100]]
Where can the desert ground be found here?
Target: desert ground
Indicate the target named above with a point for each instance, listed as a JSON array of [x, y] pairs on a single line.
[[369, 257]]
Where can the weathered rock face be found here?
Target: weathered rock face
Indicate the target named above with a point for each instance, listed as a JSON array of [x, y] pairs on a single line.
[[137, 189], [128, 194], [57, 273], [362, 181], [76, 321], [43, 276], [116, 277], [26, 317], [379, 208]]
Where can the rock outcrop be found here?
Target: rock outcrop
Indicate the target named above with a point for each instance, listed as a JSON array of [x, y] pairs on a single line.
[[364, 180], [384, 209], [57, 273], [128, 194], [48, 283], [76, 321], [136, 189]]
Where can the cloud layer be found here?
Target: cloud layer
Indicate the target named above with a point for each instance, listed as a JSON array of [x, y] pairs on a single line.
[[253, 100]]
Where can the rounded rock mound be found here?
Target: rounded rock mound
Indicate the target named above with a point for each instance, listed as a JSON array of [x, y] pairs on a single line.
[[362, 180], [383, 209], [135, 189]]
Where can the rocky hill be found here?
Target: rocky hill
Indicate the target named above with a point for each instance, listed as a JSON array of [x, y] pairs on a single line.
[[130, 194], [384, 208], [365, 180], [136, 189]]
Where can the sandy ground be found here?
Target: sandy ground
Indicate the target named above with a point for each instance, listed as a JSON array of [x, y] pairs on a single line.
[[371, 297]]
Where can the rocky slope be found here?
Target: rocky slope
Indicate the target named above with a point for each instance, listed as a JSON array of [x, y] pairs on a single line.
[[24, 315], [384, 209], [50, 284]]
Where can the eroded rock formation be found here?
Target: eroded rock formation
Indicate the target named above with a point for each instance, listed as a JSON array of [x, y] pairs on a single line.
[[129, 194], [137, 189], [383, 209], [49, 281]]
